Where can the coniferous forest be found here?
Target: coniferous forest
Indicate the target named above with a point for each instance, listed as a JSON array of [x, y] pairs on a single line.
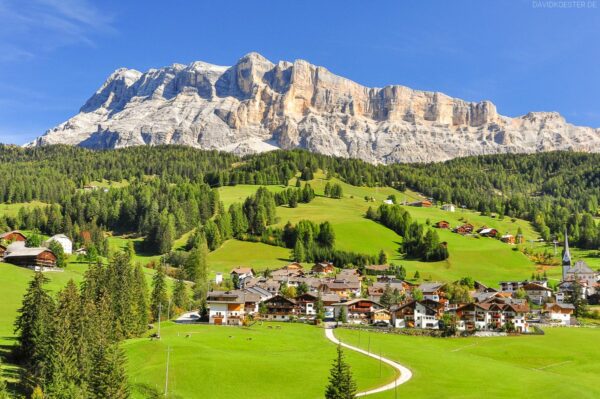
[[170, 186]]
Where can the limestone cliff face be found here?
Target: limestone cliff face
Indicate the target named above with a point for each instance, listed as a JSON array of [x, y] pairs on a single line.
[[257, 105]]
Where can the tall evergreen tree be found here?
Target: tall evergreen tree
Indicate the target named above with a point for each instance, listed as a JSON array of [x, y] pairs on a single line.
[[34, 327], [341, 382], [110, 377], [299, 252], [140, 298], [159, 300], [64, 381], [180, 296]]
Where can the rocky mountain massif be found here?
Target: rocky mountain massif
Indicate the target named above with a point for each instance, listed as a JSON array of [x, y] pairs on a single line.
[[257, 105]]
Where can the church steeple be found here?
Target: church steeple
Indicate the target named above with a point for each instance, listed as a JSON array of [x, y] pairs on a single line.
[[566, 259]]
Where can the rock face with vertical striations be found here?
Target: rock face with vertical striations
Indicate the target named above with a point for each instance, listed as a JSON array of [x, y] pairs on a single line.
[[257, 106]]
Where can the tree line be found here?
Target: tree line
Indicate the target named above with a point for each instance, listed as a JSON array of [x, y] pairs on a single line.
[[555, 190], [68, 345], [418, 241]]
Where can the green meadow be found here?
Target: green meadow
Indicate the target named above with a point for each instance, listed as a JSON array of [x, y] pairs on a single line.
[[272, 360], [485, 259], [561, 363], [13, 209], [259, 256]]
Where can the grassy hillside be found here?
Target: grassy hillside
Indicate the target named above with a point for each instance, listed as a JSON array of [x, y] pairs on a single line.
[[558, 364], [13, 209], [235, 253], [485, 259], [291, 361]]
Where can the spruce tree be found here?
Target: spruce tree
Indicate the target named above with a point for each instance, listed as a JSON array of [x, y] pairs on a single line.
[[34, 327], [64, 373], [299, 252], [341, 382], [320, 308], [386, 299], [180, 296], [140, 298], [159, 300], [110, 378]]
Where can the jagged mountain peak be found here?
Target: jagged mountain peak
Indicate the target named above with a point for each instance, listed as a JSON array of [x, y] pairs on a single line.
[[257, 105]]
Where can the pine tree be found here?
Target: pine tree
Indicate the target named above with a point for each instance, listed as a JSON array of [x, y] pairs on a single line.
[[343, 316], [326, 235], [180, 296], [196, 265], [140, 298], [110, 378], [341, 382], [118, 278], [386, 299], [327, 190], [299, 252], [320, 308], [159, 300], [33, 326], [64, 374], [382, 258]]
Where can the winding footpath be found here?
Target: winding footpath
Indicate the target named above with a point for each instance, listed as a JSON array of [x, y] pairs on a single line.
[[405, 373]]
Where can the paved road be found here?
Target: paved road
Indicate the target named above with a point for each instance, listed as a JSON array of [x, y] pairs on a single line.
[[405, 374]]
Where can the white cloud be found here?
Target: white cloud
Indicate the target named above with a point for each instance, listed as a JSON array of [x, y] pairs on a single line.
[[29, 28]]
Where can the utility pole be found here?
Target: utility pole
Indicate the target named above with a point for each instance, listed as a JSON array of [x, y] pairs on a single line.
[[167, 370]]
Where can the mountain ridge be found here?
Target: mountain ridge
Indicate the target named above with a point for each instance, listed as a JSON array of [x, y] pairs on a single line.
[[257, 105]]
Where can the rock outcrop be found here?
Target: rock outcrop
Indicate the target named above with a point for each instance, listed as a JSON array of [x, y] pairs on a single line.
[[257, 106]]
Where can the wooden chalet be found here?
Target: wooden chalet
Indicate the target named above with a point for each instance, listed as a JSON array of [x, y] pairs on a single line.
[[31, 257], [421, 204], [487, 232], [323, 268], [12, 236], [466, 228], [280, 308], [294, 266], [442, 224], [508, 239], [358, 311]]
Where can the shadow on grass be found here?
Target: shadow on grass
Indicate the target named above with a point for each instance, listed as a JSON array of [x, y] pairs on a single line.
[[149, 392]]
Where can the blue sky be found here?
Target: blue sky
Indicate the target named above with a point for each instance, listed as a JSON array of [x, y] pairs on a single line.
[[539, 55]]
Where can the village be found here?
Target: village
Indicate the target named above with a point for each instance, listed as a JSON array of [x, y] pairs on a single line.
[[374, 296], [378, 298]]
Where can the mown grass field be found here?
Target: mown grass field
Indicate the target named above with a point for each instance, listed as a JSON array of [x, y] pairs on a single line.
[[561, 364], [13, 209], [289, 362], [235, 253], [484, 259]]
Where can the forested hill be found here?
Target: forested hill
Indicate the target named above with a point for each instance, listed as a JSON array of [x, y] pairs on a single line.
[[555, 190]]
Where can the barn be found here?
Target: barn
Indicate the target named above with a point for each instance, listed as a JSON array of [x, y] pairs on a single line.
[[31, 257]]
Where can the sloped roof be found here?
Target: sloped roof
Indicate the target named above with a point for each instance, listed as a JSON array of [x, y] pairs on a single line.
[[25, 251], [580, 267]]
